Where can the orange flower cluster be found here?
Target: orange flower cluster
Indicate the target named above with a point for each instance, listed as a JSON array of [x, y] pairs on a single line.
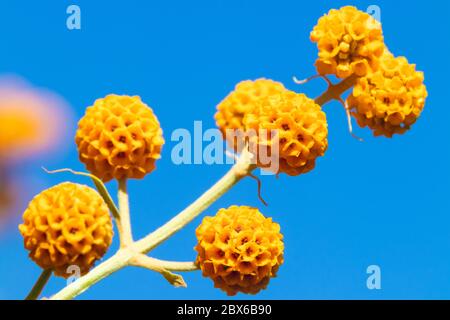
[[391, 99], [66, 225], [349, 41], [119, 137], [245, 97], [389, 94], [277, 123], [301, 128], [239, 249]]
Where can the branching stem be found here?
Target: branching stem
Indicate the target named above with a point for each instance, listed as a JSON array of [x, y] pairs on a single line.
[[335, 91], [133, 253]]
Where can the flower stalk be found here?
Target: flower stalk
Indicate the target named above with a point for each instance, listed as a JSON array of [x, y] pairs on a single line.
[[124, 223], [335, 91], [133, 253], [39, 285]]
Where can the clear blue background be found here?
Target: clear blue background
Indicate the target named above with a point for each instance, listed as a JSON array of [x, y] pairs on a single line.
[[383, 201]]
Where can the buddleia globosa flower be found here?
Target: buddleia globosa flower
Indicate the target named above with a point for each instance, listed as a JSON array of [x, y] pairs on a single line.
[[300, 132], [244, 98], [119, 137], [391, 99], [349, 42], [239, 249], [67, 225]]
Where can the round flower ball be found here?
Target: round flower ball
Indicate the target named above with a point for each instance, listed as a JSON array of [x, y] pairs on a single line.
[[289, 128], [350, 42], [391, 99], [242, 100], [119, 137], [67, 225], [239, 249]]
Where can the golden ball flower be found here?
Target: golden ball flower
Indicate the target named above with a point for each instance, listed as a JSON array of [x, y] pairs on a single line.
[[246, 95], [300, 132], [391, 99], [67, 225], [119, 137], [350, 42], [239, 249]]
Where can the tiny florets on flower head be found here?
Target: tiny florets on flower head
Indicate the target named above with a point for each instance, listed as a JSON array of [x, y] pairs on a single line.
[[391, 99], [231, 111], [239, 249], [119, 137], [67, 225], [350, 42], [291, 125]]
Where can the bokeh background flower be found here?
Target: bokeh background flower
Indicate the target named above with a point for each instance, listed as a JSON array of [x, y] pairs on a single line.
[[32, 126]]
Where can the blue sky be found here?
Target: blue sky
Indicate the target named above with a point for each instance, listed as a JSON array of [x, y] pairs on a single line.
[[380, 202]]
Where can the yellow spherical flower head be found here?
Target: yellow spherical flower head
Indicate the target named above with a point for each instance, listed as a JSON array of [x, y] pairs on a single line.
[[119, 137], [67, 225], [239, 249], [231, 111], [289, 128], [391, 99], [349, 41]]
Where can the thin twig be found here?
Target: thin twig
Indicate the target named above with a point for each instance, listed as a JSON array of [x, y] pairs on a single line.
[[303, 81], [39, 285], [98, 184], [349, 119], [258, 181], [144, 261]]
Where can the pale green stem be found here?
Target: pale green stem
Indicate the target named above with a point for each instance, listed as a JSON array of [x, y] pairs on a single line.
[[241, 169], [153, 264], [124, 223], [124, 257], [39, 285], [113, 264], [178, 265]]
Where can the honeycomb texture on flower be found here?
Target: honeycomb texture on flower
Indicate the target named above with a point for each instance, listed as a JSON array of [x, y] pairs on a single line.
[[231, 111], [289, 128], [349, 41], [67, 225], [391, 99], [239, 249], [119, 137]]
